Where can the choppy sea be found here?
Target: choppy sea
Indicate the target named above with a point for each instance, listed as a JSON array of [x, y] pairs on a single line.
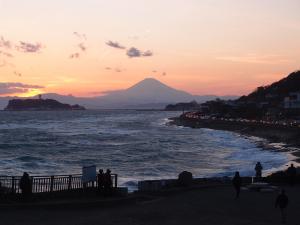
[[137, 145]]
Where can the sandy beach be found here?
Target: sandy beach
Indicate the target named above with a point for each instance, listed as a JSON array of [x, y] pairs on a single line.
[[214, 205]]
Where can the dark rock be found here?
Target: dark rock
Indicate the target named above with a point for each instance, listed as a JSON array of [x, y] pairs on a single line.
[[185, 178]]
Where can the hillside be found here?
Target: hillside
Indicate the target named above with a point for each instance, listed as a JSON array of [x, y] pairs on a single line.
[[277, 101], [276, 91]]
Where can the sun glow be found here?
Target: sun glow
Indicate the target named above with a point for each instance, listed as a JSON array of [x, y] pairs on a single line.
[[31, 93], [212, 47]]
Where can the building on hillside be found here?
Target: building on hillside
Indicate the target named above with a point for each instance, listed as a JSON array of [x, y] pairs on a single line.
[[292, 101], [264, 104]]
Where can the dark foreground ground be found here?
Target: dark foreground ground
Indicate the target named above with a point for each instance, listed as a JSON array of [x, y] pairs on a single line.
[[202, 206]]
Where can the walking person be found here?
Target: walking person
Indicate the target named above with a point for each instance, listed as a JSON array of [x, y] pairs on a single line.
[[282, 201], [237, 183], [258, 170]]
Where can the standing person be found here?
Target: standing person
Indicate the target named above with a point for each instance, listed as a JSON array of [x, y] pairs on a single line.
[[282, 201], [107, 182], [292, 174], [100, 181], [258, 170], [1, 191], [25, 186], [237, 182]]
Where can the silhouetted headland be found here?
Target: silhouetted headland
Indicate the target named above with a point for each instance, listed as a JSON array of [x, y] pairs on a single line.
[[271, 112], [39, 105]]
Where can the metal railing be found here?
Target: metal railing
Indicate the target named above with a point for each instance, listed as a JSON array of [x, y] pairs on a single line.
[[43, 184]]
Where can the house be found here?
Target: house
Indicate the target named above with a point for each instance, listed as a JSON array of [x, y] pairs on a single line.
[[292, 101]]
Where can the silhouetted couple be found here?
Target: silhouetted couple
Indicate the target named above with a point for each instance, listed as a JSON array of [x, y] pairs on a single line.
[[105, 184], [26, 186]]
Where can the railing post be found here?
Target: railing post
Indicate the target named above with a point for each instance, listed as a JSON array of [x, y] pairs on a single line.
[[116, 180], [13, 185], [70, 182], [51, 183], [33, 186]]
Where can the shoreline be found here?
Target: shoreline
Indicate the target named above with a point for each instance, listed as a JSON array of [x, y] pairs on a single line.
[[289, 136]]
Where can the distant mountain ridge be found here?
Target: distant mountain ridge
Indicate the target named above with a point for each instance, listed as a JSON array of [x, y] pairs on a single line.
[[146, 94]]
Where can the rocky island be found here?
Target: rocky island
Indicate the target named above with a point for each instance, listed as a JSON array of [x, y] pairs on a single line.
[[39, 105]]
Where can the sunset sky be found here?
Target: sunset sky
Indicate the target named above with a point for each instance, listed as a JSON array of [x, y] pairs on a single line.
[[84, 48]]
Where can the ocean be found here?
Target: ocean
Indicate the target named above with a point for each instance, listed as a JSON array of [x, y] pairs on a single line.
[[137, 145]]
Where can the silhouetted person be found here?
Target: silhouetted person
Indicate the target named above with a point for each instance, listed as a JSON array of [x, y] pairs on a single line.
[[258, 170], [107, 182], [282, 201], [1, 190], [100, 180], [237, 183], [292, 174], [25, 186]]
